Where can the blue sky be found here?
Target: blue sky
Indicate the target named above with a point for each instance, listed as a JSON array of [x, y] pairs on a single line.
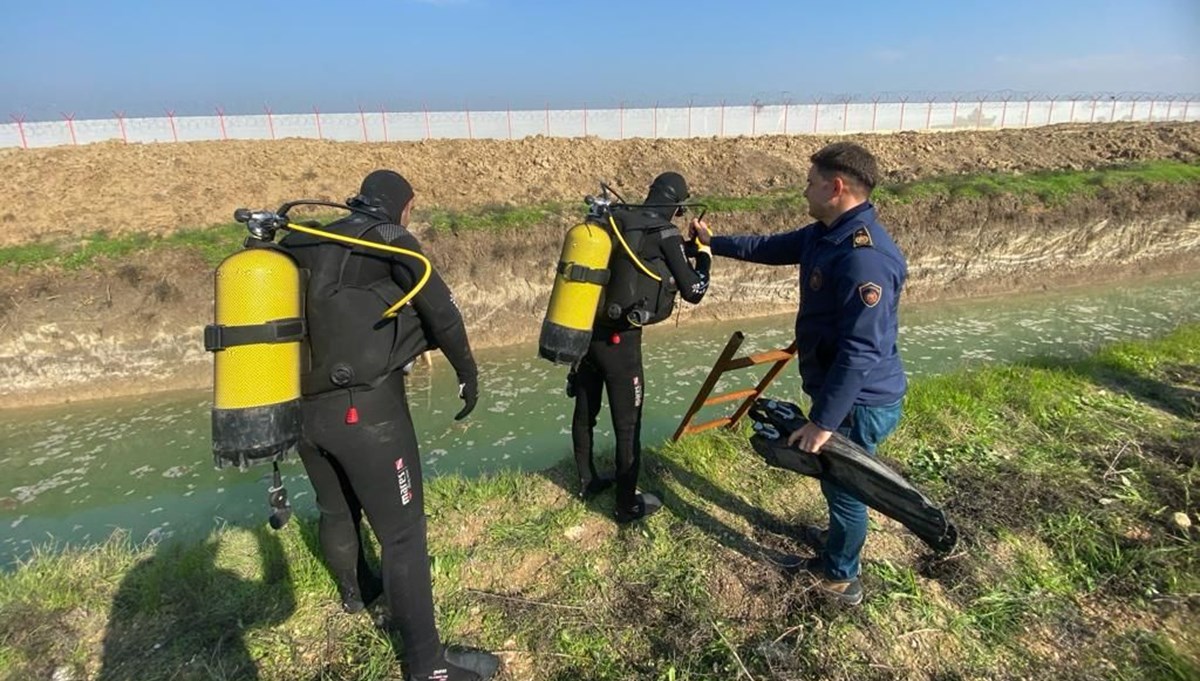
[[140, 57]]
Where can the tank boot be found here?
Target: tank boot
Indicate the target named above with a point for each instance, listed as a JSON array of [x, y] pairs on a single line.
[[646, 505], [589, 489], [361, 595], [461, 664]]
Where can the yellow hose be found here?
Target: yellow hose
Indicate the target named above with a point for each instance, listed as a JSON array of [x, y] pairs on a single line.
[[632, 257], [394, 309]]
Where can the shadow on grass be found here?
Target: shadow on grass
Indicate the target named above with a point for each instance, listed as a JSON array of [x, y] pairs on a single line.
[[1174, 395], [659, 475], [177, 614]]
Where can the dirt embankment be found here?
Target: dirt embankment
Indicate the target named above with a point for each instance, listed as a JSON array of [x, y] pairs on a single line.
[[158, 188], [134, 325]]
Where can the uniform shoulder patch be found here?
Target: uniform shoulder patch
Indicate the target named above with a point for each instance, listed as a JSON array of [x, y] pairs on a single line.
[[870, 293], [862, 237]]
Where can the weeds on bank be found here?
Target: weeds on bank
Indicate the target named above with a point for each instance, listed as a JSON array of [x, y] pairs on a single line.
[[1050, 187], [1063, 478], [215, 243]]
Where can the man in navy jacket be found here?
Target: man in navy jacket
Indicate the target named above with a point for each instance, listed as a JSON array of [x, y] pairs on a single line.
[[851, 276]]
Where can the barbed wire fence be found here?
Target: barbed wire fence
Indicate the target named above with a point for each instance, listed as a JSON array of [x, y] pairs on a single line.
[[767, 113]]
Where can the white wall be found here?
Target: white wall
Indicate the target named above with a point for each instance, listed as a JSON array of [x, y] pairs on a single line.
[[708, 121]]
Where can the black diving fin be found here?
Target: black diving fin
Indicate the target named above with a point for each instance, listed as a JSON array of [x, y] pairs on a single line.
[[848, 465]]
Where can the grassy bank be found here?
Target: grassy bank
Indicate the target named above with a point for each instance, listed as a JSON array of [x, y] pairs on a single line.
[[1036, 189], [1064, 479]]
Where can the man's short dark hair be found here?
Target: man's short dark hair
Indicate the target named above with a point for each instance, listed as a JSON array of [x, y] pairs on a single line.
[[851, 161]]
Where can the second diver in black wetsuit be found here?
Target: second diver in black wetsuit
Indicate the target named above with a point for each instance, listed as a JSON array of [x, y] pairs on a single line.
[[613, 363]]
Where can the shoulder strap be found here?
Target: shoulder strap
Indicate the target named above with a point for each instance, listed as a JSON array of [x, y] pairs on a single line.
[[349, 250]]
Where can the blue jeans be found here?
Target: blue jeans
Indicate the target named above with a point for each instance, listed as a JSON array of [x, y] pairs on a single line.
[[847, 515]]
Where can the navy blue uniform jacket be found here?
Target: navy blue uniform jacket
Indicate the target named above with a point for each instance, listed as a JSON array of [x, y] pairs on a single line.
[[851, 276]]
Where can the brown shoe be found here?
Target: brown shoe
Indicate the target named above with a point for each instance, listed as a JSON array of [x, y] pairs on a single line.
[[846, 592]]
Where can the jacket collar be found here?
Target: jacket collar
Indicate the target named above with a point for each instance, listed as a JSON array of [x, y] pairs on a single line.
[[859, 216]]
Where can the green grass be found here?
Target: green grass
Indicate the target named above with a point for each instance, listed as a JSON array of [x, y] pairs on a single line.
[[216, 242], [495, 218], [1048, 186], [213, 244], [1062, 477]]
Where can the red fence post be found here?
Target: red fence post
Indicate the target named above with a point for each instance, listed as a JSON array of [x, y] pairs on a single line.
[[383, 118], [20, 129], [121, 122], [317, 116], [174, 131], [221, 118], [426, 110], [816, 114], [362, 118], [70, 118], [270, 121]]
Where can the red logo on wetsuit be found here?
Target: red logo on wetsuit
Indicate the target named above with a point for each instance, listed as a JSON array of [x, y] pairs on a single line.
[[405, 481]]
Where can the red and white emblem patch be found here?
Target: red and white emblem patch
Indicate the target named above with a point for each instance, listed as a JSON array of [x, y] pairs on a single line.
[[870, 293]]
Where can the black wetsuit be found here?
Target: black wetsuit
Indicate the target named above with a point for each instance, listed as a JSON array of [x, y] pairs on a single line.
[[373, 465], [613, 363]]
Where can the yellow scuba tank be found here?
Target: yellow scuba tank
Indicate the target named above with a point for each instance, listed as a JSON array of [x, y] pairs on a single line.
[[256, 363], [581, 276], [256, 339]]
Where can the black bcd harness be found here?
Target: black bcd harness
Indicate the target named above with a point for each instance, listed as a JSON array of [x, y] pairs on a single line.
[[349, 343], [632, 298]]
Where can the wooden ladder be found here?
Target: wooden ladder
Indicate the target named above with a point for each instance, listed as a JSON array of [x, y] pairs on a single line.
[[727, 362]]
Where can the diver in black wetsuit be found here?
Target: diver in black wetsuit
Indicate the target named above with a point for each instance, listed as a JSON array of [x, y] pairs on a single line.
[[633, 299], [359, 447]]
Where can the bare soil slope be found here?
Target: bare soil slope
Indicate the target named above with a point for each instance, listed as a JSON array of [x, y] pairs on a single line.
[[119, 188]]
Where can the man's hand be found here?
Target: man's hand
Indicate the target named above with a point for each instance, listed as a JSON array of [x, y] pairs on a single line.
[[468, 390], [810, 438], [698, 230]]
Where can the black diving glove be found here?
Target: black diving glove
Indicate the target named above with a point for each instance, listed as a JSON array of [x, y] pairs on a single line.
[[468, 390]]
